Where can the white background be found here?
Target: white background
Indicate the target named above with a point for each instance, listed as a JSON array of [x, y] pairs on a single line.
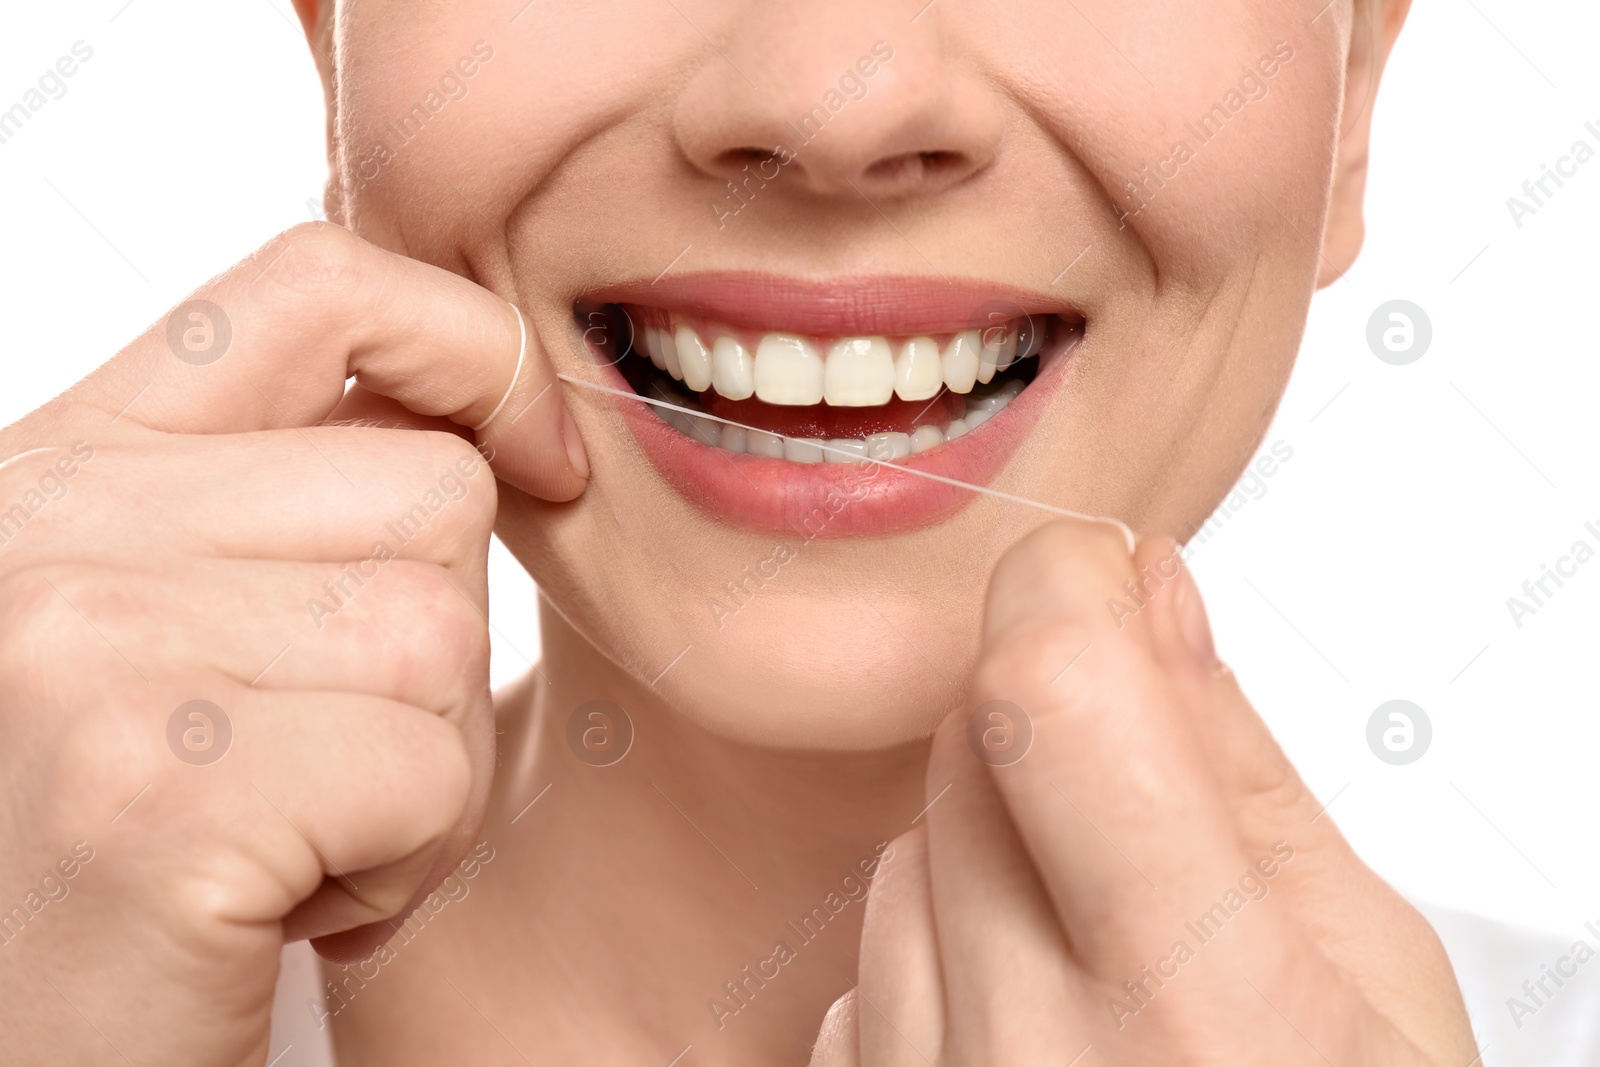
[[1378, 562]]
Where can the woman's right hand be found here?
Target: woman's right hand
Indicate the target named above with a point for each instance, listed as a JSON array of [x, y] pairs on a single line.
[[182, 527]]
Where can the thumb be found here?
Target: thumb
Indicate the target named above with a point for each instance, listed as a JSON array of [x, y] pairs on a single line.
[[271, 342]]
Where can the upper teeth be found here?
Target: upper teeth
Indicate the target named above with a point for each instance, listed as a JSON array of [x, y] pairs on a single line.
[[793, 369]]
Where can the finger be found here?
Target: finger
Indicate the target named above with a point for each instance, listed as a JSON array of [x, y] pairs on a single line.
[[334, 494], [1365, 928], [899, 1006], [1269, 800], [1002, 951], [302, 789], [419, 811], [836, 1041], [1114, 800], [271, 342], [1242, 754], [401, 630], [361, 407]]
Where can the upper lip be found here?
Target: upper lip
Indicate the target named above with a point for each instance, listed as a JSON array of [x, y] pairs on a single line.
[[860, 306]]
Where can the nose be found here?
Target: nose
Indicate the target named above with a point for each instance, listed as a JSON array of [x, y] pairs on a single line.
[[836, 98]]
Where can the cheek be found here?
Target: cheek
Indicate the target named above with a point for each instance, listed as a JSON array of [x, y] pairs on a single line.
[[1217, 199], [532, 100], [1203, 172]]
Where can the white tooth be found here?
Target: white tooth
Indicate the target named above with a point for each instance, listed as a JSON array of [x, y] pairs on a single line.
[[788, 370], [859, 373], [693, 358], [733, 438], [917, 372], [956, 428], [1035, 340], [761, 443], [1008, 350], [651, 344], [705, 431], [978, 418], [733, 372], [1011, 389], [959, 361], [889, 446], [803, 450], [684, 424], [926, 437], [990, 402], [999, 351], [994, 403], [669, 352], [986, 362], [853, 445]]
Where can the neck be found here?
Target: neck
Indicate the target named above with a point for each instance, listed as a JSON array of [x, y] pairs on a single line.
[[710, 891]]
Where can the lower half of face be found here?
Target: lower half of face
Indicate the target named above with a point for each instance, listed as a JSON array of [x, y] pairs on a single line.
[[987, 244]]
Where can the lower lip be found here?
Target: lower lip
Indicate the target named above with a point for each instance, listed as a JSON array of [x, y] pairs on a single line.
[[825, 501]]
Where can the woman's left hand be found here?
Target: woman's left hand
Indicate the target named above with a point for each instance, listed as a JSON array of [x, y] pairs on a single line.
[[1119, 866]]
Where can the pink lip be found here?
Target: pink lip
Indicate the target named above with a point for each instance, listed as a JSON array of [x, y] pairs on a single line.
[[833, 500], [848, 306]]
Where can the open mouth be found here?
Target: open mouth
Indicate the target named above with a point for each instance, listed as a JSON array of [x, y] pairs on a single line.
[[815, 399], [824, 408]]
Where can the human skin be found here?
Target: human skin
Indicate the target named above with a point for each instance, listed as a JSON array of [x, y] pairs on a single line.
[[775, 751]]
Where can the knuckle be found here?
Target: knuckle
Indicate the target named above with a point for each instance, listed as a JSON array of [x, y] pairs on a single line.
[[313, 259], [27, 603], [41, 628], [18, 477], [32, 486], [464, 458], [445, 496], [64, 703], [459, 487], [103, 754], [458, 630], [15, 484], [442, 785], [1268, 781], [434, 625], [454, 779]]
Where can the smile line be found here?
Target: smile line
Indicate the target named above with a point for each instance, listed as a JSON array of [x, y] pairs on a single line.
[[981, 489]]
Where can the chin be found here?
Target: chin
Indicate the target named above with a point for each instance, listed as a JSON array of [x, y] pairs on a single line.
[[821, 650], [824, 673]]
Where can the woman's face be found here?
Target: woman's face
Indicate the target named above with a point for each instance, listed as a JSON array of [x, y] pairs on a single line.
[[856, 193]]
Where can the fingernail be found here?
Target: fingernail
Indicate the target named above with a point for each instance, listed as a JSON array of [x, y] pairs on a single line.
[[1192, 620], [576, 455]]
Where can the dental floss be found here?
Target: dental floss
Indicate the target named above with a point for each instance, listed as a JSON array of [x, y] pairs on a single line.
[[522, 354], [982, 489]]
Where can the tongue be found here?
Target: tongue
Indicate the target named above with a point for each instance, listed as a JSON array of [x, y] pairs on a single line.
[[820, 420]]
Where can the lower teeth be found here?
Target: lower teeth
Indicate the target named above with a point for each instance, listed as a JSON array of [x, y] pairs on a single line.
[[982, 405]]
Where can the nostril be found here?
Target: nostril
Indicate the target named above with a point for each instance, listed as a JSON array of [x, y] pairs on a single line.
[[935, 162], [926, 168]]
